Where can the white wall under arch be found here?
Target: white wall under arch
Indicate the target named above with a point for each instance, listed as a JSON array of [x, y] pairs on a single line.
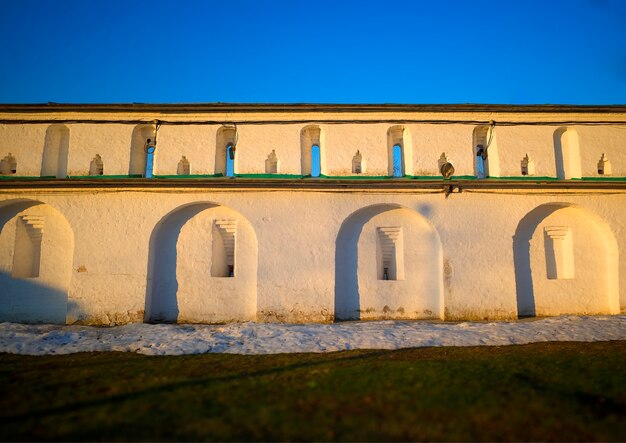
[[42, 298], [594, 289], [359, 294], [180, 286]]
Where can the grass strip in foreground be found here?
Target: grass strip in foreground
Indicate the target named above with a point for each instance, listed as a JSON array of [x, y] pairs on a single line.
[[544, 391]]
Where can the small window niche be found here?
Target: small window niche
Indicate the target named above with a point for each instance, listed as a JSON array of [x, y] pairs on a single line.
[[398, 170], [223, 257], [8, 165], [27, 254], [528, 166], [271, 163], [358, 164], [559, 246], [312, 155], [183, 167], [96, 167], [390, 253], [604, 165], [226, 160], [486, 157]]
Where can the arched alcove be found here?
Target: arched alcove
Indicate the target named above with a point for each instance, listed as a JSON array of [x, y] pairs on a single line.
[[367, 240], [566, 262], [399, 152], [567, 153], [138, 155], [36, 254], [226, 139], [312, 149], [484, 138], [55, 152], [202, 266]]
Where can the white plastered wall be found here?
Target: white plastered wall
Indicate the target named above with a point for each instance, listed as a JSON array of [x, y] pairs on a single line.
[[297, 231], [42, 297], [418, 291], [297, 238]]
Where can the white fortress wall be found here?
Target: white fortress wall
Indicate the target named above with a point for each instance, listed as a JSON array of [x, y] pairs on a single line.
[[204, 249]]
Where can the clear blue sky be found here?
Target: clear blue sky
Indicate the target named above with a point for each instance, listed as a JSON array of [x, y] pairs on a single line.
[[327, 51]]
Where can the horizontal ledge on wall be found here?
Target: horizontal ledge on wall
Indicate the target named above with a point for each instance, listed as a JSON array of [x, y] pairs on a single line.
[[335, 121], [325, 183]]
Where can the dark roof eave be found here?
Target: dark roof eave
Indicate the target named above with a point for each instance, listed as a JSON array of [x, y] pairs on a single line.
[[303, 107]]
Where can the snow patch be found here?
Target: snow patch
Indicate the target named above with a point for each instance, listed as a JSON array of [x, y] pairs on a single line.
[[273, 338]]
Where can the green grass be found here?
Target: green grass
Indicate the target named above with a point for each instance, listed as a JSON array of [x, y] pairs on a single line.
[[549, 391]]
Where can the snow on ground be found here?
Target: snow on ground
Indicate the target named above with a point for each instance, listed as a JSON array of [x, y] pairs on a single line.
[[271, 338]]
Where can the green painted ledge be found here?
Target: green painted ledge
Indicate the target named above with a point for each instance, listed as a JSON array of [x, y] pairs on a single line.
[[308, 177]]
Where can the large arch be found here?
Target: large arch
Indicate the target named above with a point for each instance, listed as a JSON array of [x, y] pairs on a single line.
[[202, 266], [364, 290], [36, 256], [566, 262]]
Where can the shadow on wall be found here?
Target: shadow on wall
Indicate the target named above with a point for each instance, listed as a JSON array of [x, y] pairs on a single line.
[[35, 263], [162, 286], [55, 152], [29, 301], [347, 301], [567, 154]]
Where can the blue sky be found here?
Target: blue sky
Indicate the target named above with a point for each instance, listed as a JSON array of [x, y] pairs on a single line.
[[291, 51]]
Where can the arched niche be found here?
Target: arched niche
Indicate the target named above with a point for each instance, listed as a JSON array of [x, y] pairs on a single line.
[[485, 137], [567, 153], [312, 147], [189, 276], [566, 262], [36, 255], [138, 155], [399, 150], [225, 140], [413, 290], [55, 152]]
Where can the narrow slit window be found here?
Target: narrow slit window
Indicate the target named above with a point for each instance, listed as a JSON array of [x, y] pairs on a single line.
[[150, 148], [397, 161], [230, 160], [604, 165], [481, 161], [224, 244], [27, 255], [315, 161], [528, 166], [559, 248], [390, 253]]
